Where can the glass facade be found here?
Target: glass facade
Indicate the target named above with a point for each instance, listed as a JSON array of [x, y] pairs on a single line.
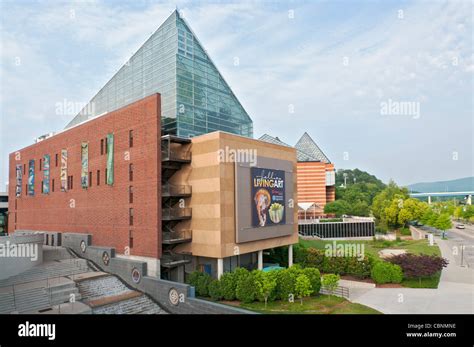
[[195, 98]]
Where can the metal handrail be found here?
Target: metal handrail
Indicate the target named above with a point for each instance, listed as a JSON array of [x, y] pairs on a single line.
[[47, 279], [176, 212], [175, 189], [177, 235]]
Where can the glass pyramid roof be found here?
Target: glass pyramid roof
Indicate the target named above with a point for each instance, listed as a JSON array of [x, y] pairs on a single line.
[[195, 98]]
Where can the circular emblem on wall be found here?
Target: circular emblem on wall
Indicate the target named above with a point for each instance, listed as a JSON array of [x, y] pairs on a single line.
[[83, 246], [105, 258], [173, 296], [136, 276]]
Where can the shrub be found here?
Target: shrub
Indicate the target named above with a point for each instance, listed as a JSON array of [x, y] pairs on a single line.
[[330, 282], [203, 284], [239, 274], [417, 266], [314, 278], [228, 285], [335, 265], [314, 258], [358, 268], [384, 272], [301, 255], [200, 280], [214, 289], [246, 288], [303, 287], [286, 280]]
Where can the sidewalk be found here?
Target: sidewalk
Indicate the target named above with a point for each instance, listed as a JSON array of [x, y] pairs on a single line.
[[455, 293]]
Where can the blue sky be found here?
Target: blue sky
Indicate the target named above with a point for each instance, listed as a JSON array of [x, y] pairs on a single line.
[[321, 67]]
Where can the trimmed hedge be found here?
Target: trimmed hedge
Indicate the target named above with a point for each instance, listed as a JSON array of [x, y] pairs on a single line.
[[384, 272], [315, 258], [244, 285]]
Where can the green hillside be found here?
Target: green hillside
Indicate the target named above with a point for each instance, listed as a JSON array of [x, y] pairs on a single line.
[[457, 185]]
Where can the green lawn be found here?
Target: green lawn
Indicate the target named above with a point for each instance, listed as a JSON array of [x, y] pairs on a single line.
[[321, 304], [373, 247], [424, 282]]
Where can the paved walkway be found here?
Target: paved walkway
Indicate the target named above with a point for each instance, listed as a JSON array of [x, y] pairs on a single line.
[[455, 293]]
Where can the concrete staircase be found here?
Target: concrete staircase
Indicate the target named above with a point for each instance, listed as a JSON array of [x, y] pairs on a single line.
[[109, 295], [138, 305], [101, 287]]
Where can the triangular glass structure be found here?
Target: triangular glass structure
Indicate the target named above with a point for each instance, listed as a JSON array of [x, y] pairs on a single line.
[[195, 97], [307, 145], [312, 154]]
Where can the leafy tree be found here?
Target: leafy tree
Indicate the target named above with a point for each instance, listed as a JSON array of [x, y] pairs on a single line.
[[303, 287], [265, 283], [443, 222], [330, 282], [386, 205], [338, 207], [411, 209]]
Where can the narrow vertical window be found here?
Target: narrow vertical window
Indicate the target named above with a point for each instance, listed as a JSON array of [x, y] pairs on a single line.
[[130, 214], [130, 195], [101, 146], [52, 187], [130, 172], [56, 159], [130, 238], [98, 177], [105, 176], [90, 179], [41, 164], [130, 138]]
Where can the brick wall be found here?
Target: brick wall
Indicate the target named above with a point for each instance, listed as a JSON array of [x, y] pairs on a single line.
[[100, 210]]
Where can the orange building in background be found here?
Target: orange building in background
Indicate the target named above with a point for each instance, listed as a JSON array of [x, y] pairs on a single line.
[[315, 176]]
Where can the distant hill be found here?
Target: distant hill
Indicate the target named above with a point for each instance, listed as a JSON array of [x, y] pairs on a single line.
[[458, 185]]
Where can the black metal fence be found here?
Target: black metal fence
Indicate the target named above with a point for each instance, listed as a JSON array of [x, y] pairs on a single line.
[[337, 230]]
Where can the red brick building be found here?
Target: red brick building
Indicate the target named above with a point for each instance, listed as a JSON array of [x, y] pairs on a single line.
[[124, 214]]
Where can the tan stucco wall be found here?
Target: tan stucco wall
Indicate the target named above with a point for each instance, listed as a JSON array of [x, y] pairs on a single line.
[[212, 201]]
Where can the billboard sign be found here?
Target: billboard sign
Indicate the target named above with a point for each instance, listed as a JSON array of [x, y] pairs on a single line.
[[268, 197]]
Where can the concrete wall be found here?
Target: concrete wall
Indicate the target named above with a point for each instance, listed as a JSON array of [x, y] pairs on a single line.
[[99, 209], [29, 245]]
